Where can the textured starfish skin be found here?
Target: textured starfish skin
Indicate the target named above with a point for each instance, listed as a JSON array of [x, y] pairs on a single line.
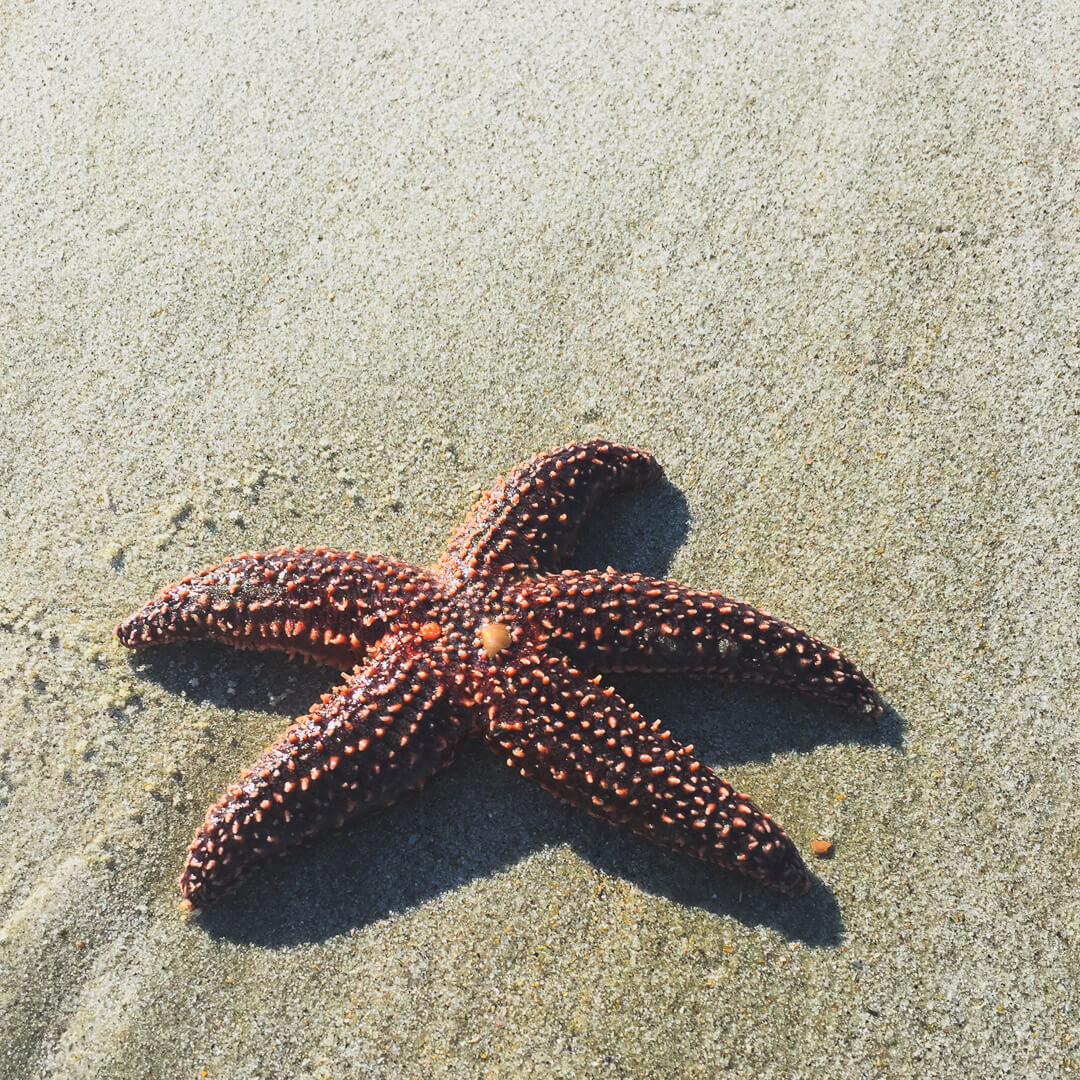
[[496, 641]]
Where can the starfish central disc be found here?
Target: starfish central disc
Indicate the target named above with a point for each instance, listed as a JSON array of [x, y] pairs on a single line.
[[416, 690]]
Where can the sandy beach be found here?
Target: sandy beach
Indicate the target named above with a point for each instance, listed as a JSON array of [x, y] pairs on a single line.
[[302, 274]]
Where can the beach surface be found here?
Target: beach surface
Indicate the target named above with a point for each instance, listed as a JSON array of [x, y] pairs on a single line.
[[283, 273]]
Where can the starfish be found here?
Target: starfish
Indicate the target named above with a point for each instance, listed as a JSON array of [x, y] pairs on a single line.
[[496, 640]]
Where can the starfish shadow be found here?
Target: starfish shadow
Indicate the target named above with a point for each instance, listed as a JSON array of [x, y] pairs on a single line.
[[465, 825], [639, 532], [732, 725], [478, 818], [247, 680]]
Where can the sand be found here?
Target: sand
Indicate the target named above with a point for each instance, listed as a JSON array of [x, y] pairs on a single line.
[[281, 273]]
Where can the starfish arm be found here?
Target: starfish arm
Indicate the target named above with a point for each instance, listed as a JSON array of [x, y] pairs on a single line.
[[607, 621], [324, 604], [385, 732], [531, 519], [583, 743]]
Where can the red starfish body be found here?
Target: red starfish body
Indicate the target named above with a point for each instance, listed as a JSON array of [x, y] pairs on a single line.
[[498, 641]]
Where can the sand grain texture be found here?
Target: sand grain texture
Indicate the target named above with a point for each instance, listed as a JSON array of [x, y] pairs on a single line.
[[315, 273]]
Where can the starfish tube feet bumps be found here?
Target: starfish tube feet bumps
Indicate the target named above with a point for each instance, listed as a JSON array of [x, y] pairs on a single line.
[[498, 641]]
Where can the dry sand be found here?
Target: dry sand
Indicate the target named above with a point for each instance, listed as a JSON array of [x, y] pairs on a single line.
[[301, 273]]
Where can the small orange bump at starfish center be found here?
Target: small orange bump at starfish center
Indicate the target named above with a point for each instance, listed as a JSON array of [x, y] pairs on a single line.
[[431, 631], [495, 636]]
